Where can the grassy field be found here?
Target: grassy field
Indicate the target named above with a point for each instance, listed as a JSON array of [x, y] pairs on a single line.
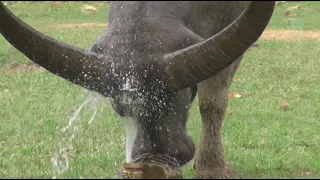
[[260, 140]]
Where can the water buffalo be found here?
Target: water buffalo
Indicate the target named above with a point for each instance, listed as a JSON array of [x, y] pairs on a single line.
[[151, 62]]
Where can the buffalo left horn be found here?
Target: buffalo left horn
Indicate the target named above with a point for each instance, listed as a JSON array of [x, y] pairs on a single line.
[[90, 70]]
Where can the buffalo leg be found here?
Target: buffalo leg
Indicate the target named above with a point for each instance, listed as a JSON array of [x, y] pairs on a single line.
[[213, 100]]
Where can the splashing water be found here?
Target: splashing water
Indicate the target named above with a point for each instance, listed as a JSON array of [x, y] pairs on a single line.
[[61, 159]]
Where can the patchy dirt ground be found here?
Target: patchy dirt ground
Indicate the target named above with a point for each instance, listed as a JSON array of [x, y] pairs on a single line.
[[22, 68], [290, 35], [80, 25], [276, 35]]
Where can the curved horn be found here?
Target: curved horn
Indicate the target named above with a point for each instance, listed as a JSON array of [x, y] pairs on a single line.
[[85, 69], [196, 63]]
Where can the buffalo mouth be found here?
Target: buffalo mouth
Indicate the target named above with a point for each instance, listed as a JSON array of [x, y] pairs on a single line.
[[150, 166], [157, 159]]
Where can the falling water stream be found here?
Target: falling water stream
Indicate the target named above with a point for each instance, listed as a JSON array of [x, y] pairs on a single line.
[[61, 159], [131, 133]]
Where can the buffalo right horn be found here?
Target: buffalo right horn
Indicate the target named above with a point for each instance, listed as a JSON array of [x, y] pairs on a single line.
[[196, 63]]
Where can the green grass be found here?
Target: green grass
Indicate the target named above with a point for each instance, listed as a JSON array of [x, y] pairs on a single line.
[[259, 140], [43, 13], [304, 18]]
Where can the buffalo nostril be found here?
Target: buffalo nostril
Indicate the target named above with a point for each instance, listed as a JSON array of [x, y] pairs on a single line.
[[122, 112]]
